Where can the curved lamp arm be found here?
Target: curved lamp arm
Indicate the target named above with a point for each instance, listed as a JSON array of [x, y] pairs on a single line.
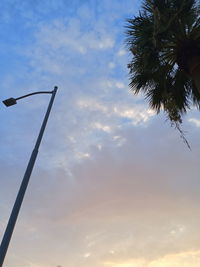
[[12, 101]]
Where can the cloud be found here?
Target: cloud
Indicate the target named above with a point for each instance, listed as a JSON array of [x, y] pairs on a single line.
[[191, 258], [92, 103], [134, 204], [196, 122]]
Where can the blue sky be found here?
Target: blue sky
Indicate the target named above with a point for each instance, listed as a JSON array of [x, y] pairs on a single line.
[[113, 185]]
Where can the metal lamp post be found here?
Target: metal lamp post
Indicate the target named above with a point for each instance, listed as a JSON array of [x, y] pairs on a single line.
[[15, 211]]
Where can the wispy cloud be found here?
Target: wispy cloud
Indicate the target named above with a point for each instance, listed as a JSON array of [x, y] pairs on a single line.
[[196, 122]]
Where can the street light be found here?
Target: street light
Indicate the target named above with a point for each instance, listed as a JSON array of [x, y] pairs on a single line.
[[15, 211]]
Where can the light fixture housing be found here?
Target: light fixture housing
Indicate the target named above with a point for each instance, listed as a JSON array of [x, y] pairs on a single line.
[[10, 102]]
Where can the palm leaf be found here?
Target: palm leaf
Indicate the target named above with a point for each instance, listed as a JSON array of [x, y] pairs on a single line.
[[155, 38]]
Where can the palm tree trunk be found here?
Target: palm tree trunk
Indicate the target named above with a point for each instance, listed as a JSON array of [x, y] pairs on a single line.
[[194, 67]]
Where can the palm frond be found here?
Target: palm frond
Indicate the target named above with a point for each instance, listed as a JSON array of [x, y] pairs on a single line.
[[155, 38]]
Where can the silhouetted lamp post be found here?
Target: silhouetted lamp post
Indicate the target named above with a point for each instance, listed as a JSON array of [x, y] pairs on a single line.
[[15, 211]]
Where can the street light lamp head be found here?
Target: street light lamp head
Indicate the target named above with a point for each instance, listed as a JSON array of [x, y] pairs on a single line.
[[9, 102]]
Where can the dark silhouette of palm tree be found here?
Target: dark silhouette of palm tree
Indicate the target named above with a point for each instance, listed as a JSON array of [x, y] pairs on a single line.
[[164, 40]]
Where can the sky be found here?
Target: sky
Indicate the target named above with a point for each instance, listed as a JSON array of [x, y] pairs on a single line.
[[114, 185]]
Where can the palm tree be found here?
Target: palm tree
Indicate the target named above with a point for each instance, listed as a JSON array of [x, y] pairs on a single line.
[[164, 40]]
